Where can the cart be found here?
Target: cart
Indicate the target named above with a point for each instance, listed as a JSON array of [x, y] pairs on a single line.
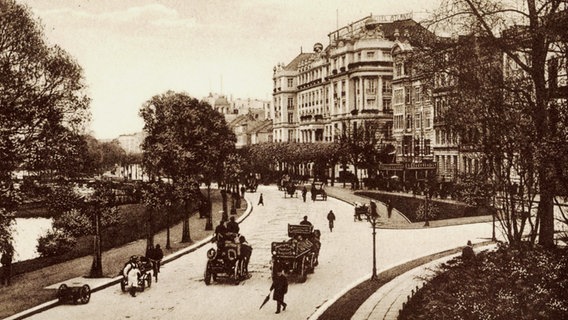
[[74, 293], [299, 255], [318, 191], [145, 278], [361, 210], [290, 189]]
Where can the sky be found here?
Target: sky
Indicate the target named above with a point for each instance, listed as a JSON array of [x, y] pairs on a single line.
[[131, 50]]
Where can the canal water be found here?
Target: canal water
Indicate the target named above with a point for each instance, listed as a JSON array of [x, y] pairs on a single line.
[[27, 231]]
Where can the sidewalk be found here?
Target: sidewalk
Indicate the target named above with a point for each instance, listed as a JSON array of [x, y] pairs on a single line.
[[387, 302], [398, 220]]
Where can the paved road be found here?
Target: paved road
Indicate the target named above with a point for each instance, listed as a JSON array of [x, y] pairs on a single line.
[[345, 257]]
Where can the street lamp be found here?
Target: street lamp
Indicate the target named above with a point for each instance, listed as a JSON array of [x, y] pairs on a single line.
[[374, 215]]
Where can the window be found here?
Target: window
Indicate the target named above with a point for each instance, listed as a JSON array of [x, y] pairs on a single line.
[[408, 122], [428, 119], [398, 69], [290, 118], [371, 86], [417, 94], [416, 147], [398, 96], [427, 146], [417, 120], [290, 102], [407, 94], [370, 54], [290, 82], [387, 87]]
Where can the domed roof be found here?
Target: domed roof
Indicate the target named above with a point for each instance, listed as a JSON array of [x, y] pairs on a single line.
[[221, 101]]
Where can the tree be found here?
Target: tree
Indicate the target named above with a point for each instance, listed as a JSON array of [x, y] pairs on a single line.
[[41, 92], [158, 195], [525, 33], [185, 136], [363, 145]]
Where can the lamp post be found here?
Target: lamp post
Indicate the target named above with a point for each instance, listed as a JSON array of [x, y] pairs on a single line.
[[373, 221]]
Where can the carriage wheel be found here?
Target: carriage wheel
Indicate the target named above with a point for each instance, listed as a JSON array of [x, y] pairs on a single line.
[[303, 275], [312, 263], [149, 279], [61, 292], [85, 294], [237, 272], [207, 276]]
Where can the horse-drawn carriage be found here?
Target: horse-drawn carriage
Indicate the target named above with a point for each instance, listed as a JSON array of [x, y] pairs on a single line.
[[144, 279], [318, 191], [299, 255], [290, 189], [251, 183], [230, 260], [361, 210]]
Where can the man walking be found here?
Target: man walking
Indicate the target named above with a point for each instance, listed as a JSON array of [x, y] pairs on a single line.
[[330, 218], [280, 286], [304, 193]]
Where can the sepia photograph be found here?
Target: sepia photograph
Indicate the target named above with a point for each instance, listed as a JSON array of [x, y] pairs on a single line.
[[268, 159]]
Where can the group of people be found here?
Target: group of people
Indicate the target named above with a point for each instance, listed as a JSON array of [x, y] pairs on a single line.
[[225, 228]]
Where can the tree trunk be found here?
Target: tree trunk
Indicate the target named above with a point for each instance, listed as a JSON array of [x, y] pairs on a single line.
[[150, 230], [168, 215], [546, 213], [97, 266], [185, 236]]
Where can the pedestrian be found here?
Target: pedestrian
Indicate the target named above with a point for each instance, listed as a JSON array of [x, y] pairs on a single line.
[[304, 193], [260, 201], [305, 221], [243, 189], [232, 226], [157, 256], [280, 286], [313, 192], [6, 261], [468, 255], [330, 218]]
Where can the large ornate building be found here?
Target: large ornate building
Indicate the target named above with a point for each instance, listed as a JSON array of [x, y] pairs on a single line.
[[337, 88]]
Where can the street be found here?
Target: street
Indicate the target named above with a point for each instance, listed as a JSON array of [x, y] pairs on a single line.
[[345, 257]]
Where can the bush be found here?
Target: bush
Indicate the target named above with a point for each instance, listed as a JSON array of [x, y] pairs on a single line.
[[54, 243], [511, 283]]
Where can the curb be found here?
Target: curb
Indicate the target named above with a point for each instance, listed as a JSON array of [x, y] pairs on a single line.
[[319, 311], [178, 254]]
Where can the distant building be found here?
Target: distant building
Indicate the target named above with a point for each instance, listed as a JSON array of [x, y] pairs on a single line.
[[251, 129], [132, 143], [231, 108]]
